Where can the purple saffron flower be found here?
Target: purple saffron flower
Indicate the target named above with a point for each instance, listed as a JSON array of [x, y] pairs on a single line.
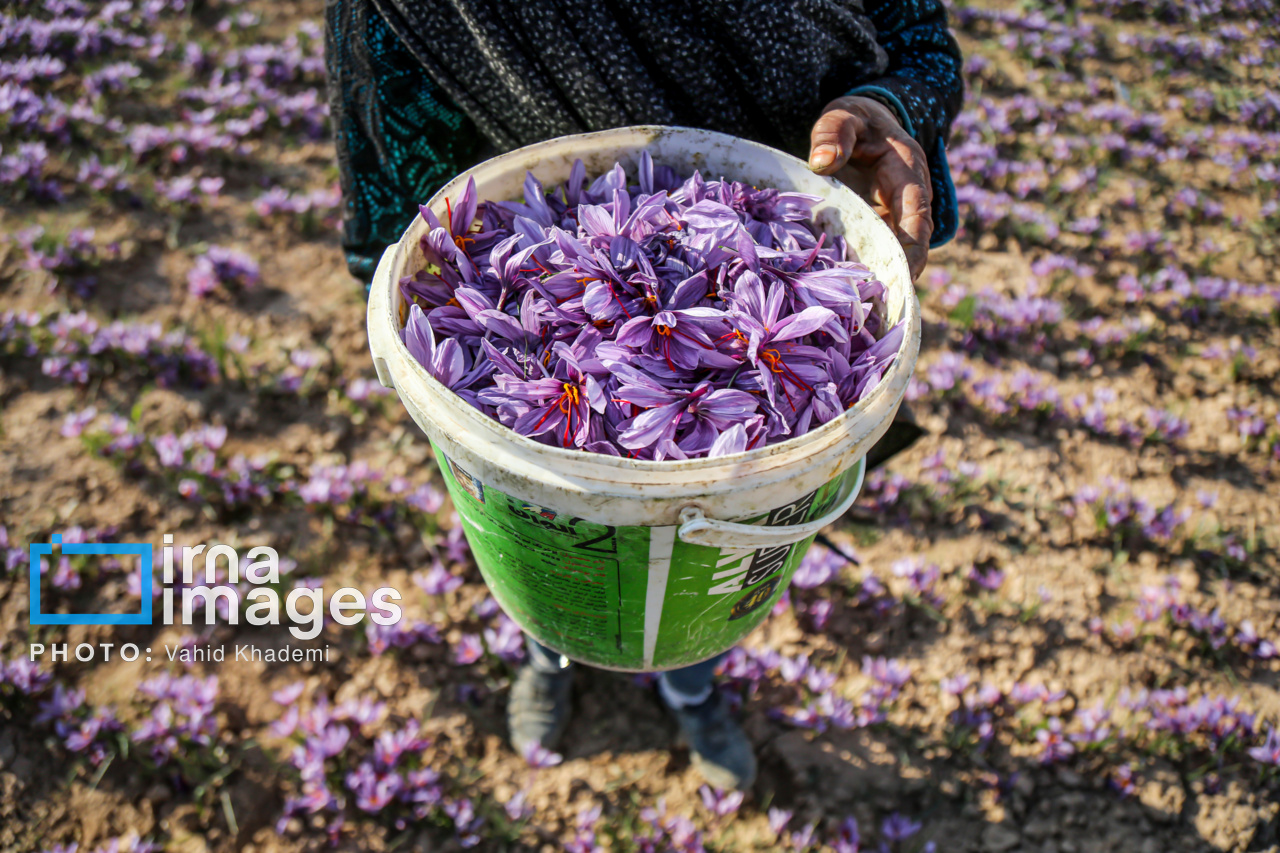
[[896, 828], [539, 757], [168, 449], [682, 338], [362, 712], [468, 650], [25, 675], [446, 363], [1248, 639], [720, 803], [818, 567], [437, 580], [74, 423], [506, 640], [920, 577], [956, 684], [848, 839], [288, 695], [457, 549], [1093, 725], [684, 320], [1269, 751], [515, 807], [374, 790], [1054, 746], [703, 412], [988, 577], [486, 608], [887, 671], [819, 612], [286, 724], [802, 839], [426, 498]]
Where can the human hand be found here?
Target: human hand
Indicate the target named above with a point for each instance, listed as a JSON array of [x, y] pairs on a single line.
[[860, 142]]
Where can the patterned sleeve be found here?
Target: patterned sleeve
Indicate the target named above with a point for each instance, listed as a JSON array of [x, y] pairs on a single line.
[[923, 86], [398, 138]]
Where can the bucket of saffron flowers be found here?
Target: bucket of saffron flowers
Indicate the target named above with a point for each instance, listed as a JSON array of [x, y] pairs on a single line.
[[648, 384]]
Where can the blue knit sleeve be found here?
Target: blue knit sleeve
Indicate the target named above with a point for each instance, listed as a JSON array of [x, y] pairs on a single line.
[[398, 137], [923, 85]]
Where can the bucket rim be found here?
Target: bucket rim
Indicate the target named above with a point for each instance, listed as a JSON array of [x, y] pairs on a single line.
[[886, 396]]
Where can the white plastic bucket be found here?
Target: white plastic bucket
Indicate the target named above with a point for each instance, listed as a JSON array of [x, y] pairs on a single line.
[[627, 564]]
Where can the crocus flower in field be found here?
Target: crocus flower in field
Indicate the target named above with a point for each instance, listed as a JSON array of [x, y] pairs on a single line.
[[898, 828], [505, 640], [802, 839], [486, 608], [1094, 723], [886, 671], [437, 580], [515, 807], [24, 675], [988, 577], [1053, 744], [819, 612], [468, 650], [849, 838], [456, 547], [539, 756], [1269, 751], [818, 567], [74, 423], [168, 449], [1247, 637], [920, 577], [720, 803], [221, 266]]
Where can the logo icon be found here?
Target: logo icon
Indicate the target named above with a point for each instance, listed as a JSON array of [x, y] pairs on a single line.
[[467, 481], [139, 549], [753, 600], [534, 509]]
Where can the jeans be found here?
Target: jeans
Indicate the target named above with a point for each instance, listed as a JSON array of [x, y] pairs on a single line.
[[679, 688]]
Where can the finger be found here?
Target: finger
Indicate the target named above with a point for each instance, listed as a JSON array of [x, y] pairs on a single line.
[[832, 140], [907, 158], [913, 224], [856, 179], [916, 250], [910, 215], [904, 176]]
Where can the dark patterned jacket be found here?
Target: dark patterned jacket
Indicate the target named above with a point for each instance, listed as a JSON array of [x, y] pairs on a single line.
[[422, 89]]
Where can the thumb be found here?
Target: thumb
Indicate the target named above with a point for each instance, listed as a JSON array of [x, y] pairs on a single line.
[[832, 140]]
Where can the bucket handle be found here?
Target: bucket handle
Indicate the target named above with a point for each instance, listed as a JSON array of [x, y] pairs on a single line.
[[697, 529], [380, 344]]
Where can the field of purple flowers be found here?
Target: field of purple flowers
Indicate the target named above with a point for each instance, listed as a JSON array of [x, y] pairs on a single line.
[[1060, 633]]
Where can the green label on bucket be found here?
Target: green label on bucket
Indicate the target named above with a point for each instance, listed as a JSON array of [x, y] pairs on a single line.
[[633, 598]]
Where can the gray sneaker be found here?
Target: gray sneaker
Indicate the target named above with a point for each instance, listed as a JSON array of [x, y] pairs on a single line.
[[717, 745], [538, 709]]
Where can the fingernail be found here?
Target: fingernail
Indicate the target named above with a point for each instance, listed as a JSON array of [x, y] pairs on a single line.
[[822, 157]]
